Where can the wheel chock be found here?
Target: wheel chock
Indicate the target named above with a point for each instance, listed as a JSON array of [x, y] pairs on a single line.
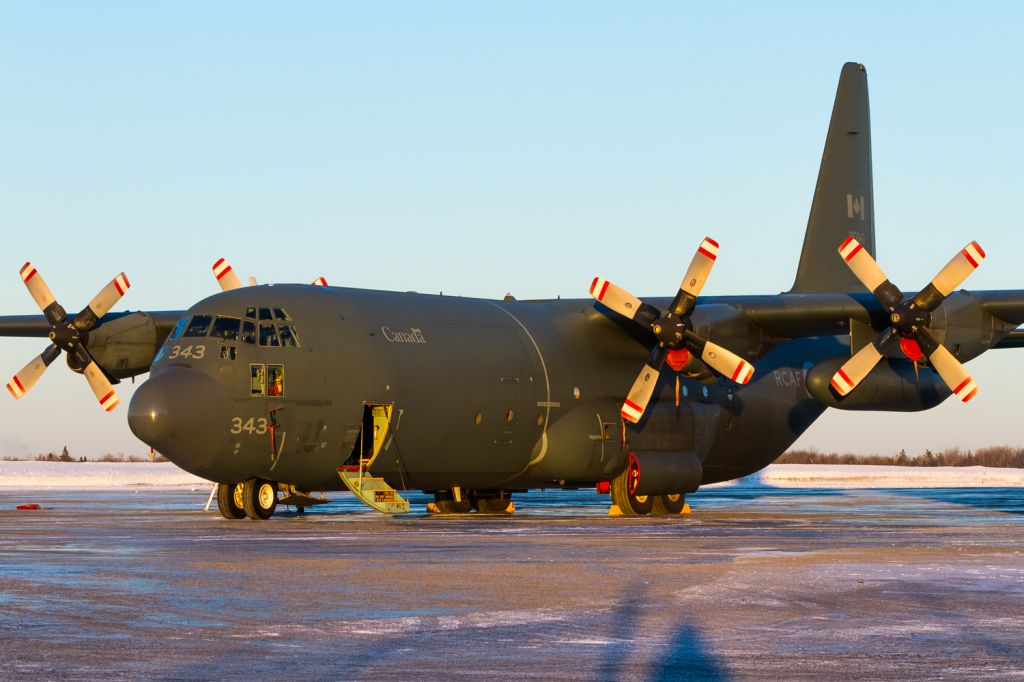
[[685, 510], [615, 511]]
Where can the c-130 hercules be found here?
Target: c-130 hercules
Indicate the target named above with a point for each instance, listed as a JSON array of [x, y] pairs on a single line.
[[276, 391]]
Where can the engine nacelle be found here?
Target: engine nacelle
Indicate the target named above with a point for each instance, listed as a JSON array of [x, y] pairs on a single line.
[[126, 345], [892, 386], [659, 472]]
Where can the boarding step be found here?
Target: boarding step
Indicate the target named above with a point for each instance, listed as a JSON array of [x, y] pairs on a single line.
[[374, 492]]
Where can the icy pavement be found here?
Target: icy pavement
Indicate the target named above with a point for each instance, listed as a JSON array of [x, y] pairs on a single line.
[[758, 583], [110, 475]]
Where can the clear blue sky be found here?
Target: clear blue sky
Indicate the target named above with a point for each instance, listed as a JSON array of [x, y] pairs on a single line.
[[479, 148]]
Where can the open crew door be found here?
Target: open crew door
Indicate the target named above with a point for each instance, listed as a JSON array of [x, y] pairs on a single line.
[[355, 474]]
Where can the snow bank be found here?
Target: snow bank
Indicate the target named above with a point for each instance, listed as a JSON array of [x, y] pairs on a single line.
[[868, 476], [106, 475], [95, 475]]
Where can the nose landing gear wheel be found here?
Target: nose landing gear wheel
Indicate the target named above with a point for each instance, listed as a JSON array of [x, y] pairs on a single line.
[[259, 498], [229, 501]]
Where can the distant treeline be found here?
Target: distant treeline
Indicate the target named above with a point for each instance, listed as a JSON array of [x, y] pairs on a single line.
[[999, 456], [65, 456]]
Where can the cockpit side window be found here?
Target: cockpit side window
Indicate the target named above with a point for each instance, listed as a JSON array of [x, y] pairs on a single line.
[[249, 332], [250, 312], [198, 325], [265, 315], [289, 339], [280, 314], [275, 381], [178, 329], [257, 381], [226, 328]]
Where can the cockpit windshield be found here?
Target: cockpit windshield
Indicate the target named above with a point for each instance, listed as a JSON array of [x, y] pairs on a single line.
[[264, 326], [199, 325], [226, 328]]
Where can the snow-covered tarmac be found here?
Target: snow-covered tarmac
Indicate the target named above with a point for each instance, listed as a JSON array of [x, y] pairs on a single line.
[[760, 582], [107, 475]]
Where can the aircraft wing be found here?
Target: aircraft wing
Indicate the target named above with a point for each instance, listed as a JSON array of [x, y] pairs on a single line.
[[24, 325], [807, 315], [37, 326]]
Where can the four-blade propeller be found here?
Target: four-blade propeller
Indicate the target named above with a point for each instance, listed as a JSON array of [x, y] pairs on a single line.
[[228, 280], [673, 330], [70, 335], [909, 319]]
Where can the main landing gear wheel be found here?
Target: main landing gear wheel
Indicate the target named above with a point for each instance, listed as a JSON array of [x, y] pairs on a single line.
[[259, 499], [229, 501], [628, 503], [493, 505], [446, 503], [669, 504]]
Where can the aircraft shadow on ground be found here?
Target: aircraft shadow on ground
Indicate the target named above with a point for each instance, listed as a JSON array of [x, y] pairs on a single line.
[[685, 656]]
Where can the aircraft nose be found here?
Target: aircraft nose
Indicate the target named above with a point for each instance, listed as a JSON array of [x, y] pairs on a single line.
[[183, 414]]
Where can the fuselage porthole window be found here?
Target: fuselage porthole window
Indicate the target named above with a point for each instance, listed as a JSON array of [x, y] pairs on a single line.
[[249, 332], [226, 328], [198, 326]]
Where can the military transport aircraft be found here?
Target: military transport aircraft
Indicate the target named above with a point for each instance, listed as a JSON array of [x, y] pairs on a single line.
[[276, 391]]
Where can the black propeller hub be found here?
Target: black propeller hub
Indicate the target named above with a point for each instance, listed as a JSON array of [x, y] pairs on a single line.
[[907, 319], [67, 336], [671, 330]]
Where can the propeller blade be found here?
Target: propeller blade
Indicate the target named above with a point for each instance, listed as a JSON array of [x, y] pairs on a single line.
[[226, 276], [949, 368], [695, 278], [24, 380], [950, 277], [953, 373], [101, 387], [727, 363], [869, 273], [855, 369], [643, 388], [101, 304], [615, 297], [42, 295], [320, 282]]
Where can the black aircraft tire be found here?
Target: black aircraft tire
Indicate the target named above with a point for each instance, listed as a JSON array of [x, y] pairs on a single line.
[[260, 499], [629, 505], [492, 505], [226, 502], [446, 504], [669, 504]]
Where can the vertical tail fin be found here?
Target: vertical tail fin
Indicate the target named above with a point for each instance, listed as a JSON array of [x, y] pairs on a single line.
[[843, 204]]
